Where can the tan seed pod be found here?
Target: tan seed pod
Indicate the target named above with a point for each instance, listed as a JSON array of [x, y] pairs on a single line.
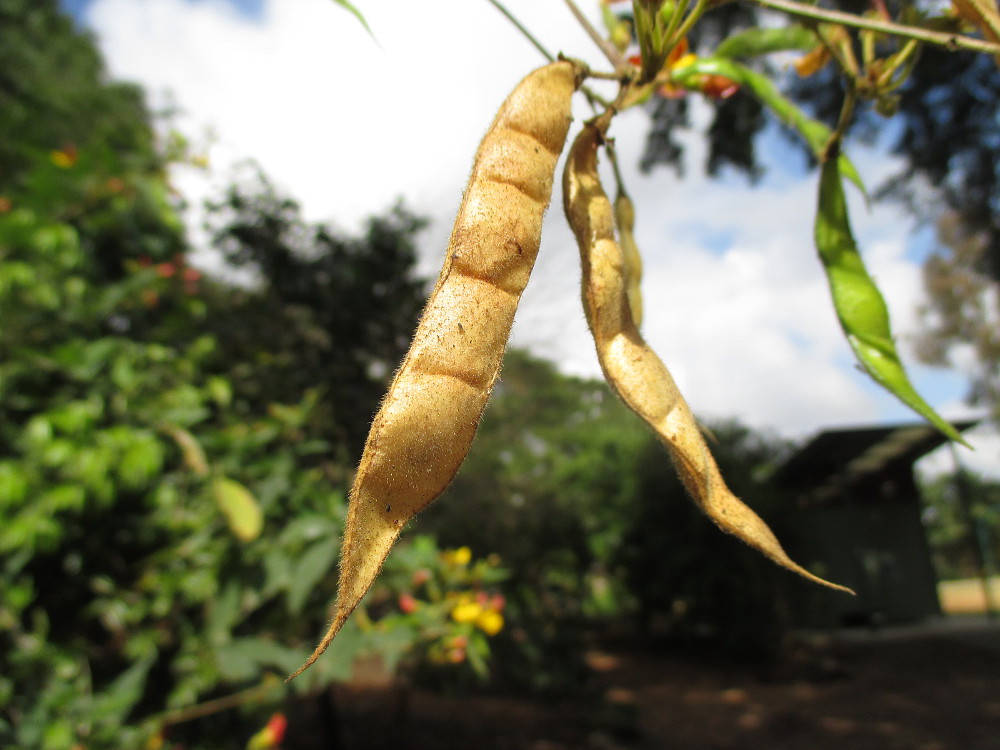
[[429, 416], [625, 219], [633, 369]]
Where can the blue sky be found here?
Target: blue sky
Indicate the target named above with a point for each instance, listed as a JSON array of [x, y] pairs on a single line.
[[250, 9], [737, 305]]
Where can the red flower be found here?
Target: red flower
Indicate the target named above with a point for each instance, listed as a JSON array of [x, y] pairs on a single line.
[[407, 603]]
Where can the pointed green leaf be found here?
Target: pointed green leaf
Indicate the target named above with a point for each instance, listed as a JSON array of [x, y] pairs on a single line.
[[357, 14], [316, 563], [242, 512], [862, 311], [814, 132], [113, 704]]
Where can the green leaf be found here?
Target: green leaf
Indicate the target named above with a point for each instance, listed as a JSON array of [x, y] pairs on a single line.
[[814, 132], [357, 14], [862, 311], [223, 613], [314, 565], [114, 704], [141, 461], [242, 512], [241, 659], [752, 42]]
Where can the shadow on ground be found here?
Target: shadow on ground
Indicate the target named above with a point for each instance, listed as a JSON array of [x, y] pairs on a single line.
[[933, 687]]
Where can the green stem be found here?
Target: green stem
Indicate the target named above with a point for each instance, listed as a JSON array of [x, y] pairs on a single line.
[[832, 147], [610, 51], [675, 21], [253, 694], [691, 20], [950, 41], [894, 63], [520, 27]]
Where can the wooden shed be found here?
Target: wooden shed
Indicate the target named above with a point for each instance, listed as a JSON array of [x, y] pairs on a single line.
[[856, 520]]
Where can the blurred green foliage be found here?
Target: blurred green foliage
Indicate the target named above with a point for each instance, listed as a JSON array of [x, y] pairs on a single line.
[[325, 310], [166, 522], [962, 519]]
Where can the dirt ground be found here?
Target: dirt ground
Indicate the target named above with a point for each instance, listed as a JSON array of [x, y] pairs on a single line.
[[934, 687]]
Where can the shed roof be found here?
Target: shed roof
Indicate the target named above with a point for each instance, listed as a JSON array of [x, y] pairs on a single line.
[[837, 457]]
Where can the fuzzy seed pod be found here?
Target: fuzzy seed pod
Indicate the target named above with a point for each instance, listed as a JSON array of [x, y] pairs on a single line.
[[625, 219], [429, 416], [633, 369]]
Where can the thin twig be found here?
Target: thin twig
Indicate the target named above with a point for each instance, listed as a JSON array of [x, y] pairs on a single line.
[[832, 145], [520, 27], [226, 702], [951, 41], [613, 158], [610, 51]]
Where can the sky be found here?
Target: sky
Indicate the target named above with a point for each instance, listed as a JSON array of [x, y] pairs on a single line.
[[736, 302]]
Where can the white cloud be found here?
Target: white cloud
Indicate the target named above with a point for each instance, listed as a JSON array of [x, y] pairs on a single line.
[[347, 126]]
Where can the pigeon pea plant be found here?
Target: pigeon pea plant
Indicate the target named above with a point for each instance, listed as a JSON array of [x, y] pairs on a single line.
[[429, 416]]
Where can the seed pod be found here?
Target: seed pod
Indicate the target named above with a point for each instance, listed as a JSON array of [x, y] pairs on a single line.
[[625, 219], [429, 416], [633, 369]]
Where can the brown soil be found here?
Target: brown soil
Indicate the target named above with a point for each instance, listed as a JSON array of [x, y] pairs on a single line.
[[933, 688]]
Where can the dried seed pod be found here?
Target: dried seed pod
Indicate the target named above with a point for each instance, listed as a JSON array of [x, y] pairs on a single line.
[[429, 416], [625, 219], [633, 369]]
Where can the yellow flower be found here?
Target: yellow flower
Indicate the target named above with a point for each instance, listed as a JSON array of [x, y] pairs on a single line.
[[490, 621], [62, 159], [460, 556], [466, 612]]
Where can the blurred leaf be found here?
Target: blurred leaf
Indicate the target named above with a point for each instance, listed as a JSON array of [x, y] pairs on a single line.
[[338, 663], [240, 508], [220, 390], [357, 14], [13, 484], [191, 450], [243, 658], [760, 41], [223, 612], [141, 460], [114, 703], [316, 563], [306, 528], [76, 416], [859, 304], [277, 572]]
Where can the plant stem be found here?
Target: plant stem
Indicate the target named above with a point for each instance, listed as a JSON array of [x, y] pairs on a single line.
[[691, 20], [226, 702], [846, 112], [950, 41], [520, 27], [610, 51], [675, 22]]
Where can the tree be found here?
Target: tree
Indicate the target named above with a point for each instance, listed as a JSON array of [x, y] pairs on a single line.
[[324, 311], [962, 518], [63, 121], [161, 512]]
